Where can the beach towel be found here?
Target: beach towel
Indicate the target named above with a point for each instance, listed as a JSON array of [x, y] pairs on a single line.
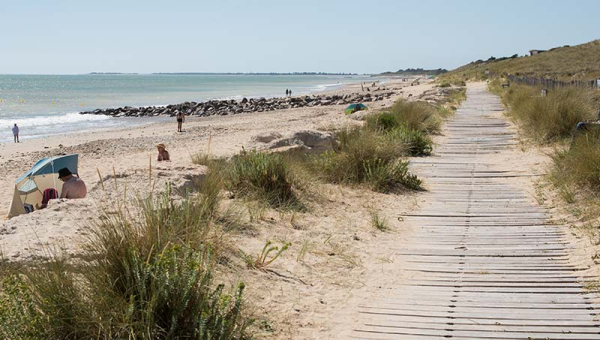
[[49, 194]]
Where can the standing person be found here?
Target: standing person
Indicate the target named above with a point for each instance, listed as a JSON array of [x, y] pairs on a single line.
[[73, 187], [180, 119], [287, 92], [290, 93], [15, 131]]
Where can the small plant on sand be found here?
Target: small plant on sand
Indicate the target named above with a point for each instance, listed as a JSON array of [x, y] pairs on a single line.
[[377, 222], [201, 159], [305, 249], [263, 259]]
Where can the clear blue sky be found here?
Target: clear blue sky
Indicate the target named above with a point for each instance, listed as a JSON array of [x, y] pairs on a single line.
[[365, 36]]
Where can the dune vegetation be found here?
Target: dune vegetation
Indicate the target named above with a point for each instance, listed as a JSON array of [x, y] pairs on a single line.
[[148, 274], [580, 62], [550, 121]]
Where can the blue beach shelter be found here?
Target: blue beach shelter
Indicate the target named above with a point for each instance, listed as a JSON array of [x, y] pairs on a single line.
[[30, 187], [355, 107]]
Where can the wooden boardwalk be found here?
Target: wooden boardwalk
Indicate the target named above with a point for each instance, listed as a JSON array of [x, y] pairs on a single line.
[[484, 262]]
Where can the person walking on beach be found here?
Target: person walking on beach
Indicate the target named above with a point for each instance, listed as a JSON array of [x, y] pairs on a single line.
[[287, 92], [180, 119], [15, 131], [290, 93]]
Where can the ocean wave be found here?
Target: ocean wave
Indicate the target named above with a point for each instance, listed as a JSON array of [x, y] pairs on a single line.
[[51, 120], [326, 87]]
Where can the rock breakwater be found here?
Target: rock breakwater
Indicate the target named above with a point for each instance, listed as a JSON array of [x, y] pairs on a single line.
[[228, 107]]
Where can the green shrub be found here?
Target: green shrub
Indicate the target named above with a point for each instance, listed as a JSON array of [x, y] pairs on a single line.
[[386, 177], [19, 317], [266, 175], [365, 156], [417, 143], [417, 115], [445, 84], [383, 122], [553, 117], [580, 164], [394, 130]]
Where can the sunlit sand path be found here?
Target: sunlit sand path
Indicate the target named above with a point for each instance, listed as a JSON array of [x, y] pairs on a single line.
[[483, 261]]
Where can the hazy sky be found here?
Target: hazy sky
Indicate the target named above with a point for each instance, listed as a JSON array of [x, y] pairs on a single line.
[[366, 36]]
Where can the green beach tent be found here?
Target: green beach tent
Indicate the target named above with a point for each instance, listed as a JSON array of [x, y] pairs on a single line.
[[355, 107]]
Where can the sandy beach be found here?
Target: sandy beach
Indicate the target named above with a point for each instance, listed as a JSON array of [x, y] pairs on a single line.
[[342, 218]]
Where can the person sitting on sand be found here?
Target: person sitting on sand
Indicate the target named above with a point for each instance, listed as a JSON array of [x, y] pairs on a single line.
[[180, 119], [163, 154], [73, 187]]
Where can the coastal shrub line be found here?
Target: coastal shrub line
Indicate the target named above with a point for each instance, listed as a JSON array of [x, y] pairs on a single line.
[[551, 120]]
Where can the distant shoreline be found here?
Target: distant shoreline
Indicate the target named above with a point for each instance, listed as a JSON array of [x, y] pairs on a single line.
[[236, 73]]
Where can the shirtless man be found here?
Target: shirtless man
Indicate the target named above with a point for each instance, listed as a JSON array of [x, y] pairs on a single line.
[[73, 187]]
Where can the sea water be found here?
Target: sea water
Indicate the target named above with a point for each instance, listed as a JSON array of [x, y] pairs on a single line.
[[44, 105]]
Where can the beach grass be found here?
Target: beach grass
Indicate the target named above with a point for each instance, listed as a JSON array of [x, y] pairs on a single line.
[[366, 156], [417, 115], [551, 121], [579, 163], [264, 175], [553, 117], [148, 275]]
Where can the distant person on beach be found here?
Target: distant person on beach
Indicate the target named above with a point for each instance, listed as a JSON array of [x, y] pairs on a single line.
[[290, 93], [287, 92], [163, 154], [180, 119], [73, 187], [15, 131]]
